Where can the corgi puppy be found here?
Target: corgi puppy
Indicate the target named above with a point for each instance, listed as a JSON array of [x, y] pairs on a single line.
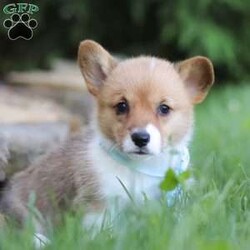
[[144, 111]]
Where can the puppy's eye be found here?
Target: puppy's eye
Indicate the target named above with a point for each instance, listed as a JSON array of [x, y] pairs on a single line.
[[163, 109], [122, 108]]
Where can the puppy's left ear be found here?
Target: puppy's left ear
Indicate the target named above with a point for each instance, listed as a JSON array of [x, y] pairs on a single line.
[[197, 74]]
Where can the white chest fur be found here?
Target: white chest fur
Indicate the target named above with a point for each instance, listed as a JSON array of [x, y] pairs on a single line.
[[116, 178], [139, 177]]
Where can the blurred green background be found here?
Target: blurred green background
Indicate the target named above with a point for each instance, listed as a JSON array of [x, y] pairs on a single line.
[[171, 29]]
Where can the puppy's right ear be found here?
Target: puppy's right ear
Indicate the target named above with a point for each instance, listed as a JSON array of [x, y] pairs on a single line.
[[95, 64]]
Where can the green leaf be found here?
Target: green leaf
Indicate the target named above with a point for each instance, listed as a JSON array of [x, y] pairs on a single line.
[[170, 181], [184, 176]]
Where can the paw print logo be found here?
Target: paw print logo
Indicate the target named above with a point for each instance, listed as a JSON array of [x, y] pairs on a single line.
[[20, 26]]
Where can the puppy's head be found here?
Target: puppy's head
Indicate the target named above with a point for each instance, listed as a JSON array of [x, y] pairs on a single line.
[[144, 103]]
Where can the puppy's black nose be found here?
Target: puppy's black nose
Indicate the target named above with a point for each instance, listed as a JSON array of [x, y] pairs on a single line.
[[141, 138]]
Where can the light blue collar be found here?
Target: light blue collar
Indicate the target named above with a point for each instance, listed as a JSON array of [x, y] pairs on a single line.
[[154, 166]]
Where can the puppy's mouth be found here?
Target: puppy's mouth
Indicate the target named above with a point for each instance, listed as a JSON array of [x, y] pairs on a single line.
[[141, 151], [139, 154]]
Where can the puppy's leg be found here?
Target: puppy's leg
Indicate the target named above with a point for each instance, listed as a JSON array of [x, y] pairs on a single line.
[[17, 211], [14, 209]]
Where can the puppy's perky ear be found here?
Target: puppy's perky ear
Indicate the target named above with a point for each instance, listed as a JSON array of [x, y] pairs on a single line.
[[95, 64], [198, 76]]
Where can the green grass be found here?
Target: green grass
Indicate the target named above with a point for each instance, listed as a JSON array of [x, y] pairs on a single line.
[[216, 214]]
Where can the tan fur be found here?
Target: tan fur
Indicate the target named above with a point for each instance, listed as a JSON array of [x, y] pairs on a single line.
[[62, 180], [198, 74], [144, 90], [67, 178]]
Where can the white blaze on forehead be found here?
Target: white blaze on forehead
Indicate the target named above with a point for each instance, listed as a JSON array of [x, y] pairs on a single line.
[[152, 64], [155, 139]]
